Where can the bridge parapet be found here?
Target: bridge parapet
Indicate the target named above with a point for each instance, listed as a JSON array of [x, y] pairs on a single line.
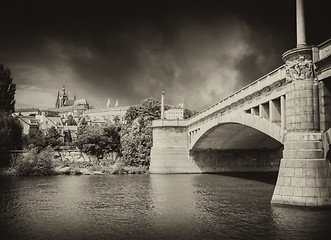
[[169, 123], [246, 93]]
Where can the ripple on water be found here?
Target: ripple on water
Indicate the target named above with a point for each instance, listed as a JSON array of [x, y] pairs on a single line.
[[151, 207]]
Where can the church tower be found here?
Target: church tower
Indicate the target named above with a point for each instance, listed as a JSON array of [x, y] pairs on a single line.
[[62, 98]]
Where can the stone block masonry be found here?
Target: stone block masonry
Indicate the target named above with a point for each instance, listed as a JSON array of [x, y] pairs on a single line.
[[170, 152], [303, 177]]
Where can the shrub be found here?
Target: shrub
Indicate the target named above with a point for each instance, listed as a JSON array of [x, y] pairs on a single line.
[[34, 163], [119, 168]]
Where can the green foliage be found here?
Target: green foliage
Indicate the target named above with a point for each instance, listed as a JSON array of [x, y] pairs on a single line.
[[131, 114], [67, 137], [71, 121], [117, 119], [97, 140], [35, 163], [35, 139], [148, 110], [188, 113], [87, 140], [82, 122], [136, 134], [7, 90], [10, 128], [10, 133], [52, 137]]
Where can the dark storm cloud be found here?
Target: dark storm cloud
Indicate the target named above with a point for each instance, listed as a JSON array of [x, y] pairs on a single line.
[[197, 50]]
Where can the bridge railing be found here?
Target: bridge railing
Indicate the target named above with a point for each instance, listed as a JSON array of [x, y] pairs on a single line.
[[264, 81]]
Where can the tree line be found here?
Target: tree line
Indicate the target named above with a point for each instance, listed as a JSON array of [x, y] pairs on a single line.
[[10, 128], [129, 142]]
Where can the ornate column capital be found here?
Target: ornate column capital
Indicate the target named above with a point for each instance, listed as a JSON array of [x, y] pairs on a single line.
[[298, 64]]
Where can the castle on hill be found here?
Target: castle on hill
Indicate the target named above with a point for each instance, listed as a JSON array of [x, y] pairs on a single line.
[[63, 100], [66, 106]]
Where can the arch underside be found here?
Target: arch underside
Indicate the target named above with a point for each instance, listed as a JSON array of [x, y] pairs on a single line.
[[239, 127], [235, 136], [236, 147]]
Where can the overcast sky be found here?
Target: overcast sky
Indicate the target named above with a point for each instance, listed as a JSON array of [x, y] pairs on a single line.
[[199, 51]]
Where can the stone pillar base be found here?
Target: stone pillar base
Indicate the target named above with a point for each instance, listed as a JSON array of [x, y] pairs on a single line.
[[168, 160], [304, 175]]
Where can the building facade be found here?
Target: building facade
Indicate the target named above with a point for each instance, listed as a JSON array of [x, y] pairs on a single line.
[[103, 115], [174, 113]]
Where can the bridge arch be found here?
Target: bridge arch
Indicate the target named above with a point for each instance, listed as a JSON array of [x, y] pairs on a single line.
[[237, 121], [237, 142]]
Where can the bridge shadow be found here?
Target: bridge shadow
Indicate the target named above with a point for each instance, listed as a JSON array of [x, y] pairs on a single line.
[[264, 177]]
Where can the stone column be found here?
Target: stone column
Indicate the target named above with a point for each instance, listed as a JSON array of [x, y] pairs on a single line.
[[301, 33], [304, 177], [283, 112]]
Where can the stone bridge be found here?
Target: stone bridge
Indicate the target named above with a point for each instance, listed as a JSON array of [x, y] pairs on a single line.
[[279, 122]]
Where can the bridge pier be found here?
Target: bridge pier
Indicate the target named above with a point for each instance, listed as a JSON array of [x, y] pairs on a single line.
[[304, 176], [170, 153]]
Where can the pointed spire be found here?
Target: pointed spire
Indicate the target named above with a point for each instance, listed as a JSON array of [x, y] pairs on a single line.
[[108, 103], [57, 103], [162, 104], [116, 103]]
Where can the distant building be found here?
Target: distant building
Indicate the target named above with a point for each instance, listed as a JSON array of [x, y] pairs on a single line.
[[102, 115], [27, 123], [46, 123], [27, 112], [63, 100], [66, 106], [174, 112]]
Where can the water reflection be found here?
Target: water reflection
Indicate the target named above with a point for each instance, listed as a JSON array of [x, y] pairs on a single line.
[[174, 205], [302, 223], [150, 207]]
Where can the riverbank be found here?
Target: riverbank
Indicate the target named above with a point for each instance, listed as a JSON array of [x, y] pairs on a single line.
[[51, 162], [93, 170]]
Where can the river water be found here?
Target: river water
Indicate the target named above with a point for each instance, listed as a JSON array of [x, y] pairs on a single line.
[[152, 207]]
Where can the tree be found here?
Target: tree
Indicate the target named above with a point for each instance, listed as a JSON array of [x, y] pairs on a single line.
[[117, 119], [110, 139], [99, 140], [82, 122], [71, 121], [150, 109], [10, 133], [7, 90], [52, 137], [136, 134], [131, 114], [188, 113], [67, 137], [36, 139]]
